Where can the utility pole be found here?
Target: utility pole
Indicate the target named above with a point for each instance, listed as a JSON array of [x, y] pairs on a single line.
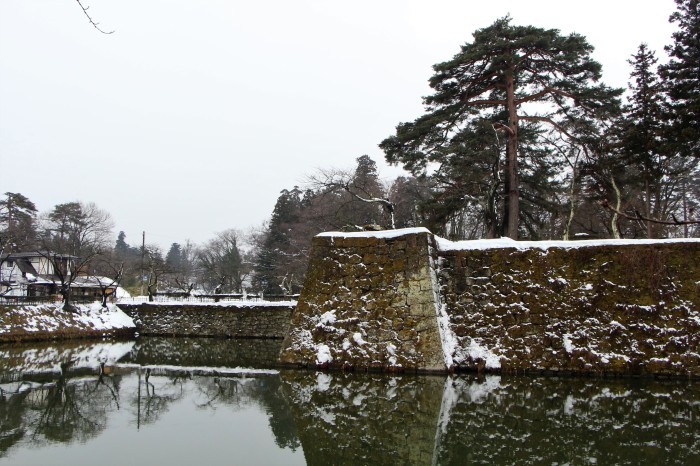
[[143, 253]]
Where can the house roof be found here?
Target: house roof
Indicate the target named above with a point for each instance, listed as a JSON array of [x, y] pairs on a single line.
[[25, 266], [23, 255]]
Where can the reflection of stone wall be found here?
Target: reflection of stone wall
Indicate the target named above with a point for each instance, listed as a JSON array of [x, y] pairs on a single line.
[[618, 309], [212, 352], [560, 420], [201, 320], [367, 302], [356, 419]]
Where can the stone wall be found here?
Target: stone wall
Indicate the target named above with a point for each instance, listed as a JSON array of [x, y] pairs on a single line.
[[367, 302], [403, 300], [616, 309], [214, 320]]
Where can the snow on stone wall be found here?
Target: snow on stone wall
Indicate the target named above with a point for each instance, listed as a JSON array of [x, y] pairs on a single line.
[[49, 321], [371, 301], [244, 320], [367, 303], [602, 308]]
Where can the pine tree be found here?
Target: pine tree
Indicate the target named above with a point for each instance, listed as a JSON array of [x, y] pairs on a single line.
[[682, 77], [643, 149], [280, 253], [17, 222], [499, 76], [173, 259]]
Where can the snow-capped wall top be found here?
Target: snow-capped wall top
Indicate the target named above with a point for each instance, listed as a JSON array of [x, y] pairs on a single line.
[[501, 243], [375, 234]]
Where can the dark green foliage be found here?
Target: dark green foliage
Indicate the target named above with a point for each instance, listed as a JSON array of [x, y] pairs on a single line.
[[481, 140], [682, 78], [76, 228], [17, 223], [279, 253]]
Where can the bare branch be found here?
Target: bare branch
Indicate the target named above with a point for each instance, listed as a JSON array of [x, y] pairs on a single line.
[[639, 217], [96, 25]]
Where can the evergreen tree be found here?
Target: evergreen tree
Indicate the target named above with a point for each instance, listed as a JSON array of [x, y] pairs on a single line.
[[17, 222], [121, 248], [79, 229], [499, 76], [173, 259], [682, 78], [644, 150], [281, 255], [409, 195], [365, 184]]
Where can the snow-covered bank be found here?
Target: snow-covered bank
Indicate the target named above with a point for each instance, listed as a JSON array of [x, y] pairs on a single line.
[[49, 321]]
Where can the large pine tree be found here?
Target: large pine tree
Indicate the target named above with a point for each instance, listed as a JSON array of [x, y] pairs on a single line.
[[523, 76]]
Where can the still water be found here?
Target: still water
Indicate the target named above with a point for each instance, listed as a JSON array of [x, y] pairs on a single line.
[[199, 401]]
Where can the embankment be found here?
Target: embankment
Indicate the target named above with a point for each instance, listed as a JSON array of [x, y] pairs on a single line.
[[407, 301], [50, 322]]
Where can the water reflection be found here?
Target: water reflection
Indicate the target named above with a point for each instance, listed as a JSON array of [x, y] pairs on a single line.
[[162, 400]]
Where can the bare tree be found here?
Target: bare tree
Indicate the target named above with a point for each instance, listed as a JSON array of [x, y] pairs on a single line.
[[109, 284], [359, 184], [156, 269], [222, 262]]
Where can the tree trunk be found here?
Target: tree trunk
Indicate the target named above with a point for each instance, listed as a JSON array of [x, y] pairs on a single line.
[[65, 293], [618, 202], [647, 189], [512, 159], [572, 204]]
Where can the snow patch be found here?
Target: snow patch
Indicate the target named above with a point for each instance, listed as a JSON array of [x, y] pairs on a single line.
[[501, 243], [374, 234], [323, 354], [568, 346]]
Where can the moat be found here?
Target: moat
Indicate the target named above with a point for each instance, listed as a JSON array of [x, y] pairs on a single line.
[[215, 401]]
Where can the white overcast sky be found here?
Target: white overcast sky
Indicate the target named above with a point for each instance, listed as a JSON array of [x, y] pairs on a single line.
[[193, 115]]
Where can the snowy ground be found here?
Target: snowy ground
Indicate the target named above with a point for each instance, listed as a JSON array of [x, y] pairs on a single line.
[[52, 318]]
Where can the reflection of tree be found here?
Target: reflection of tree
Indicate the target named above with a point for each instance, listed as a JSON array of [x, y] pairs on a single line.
[[281, 418], [74, 410], [154, 399], [11, 428], [265, 392], [64, 408]]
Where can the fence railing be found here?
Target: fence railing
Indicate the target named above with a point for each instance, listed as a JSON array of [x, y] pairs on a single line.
[[14, 300]]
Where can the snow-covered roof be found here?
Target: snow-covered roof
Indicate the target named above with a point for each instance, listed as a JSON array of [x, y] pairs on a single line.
[[94, 281]]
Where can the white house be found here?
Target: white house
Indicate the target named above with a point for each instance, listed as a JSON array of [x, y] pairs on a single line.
[[32, 274]]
